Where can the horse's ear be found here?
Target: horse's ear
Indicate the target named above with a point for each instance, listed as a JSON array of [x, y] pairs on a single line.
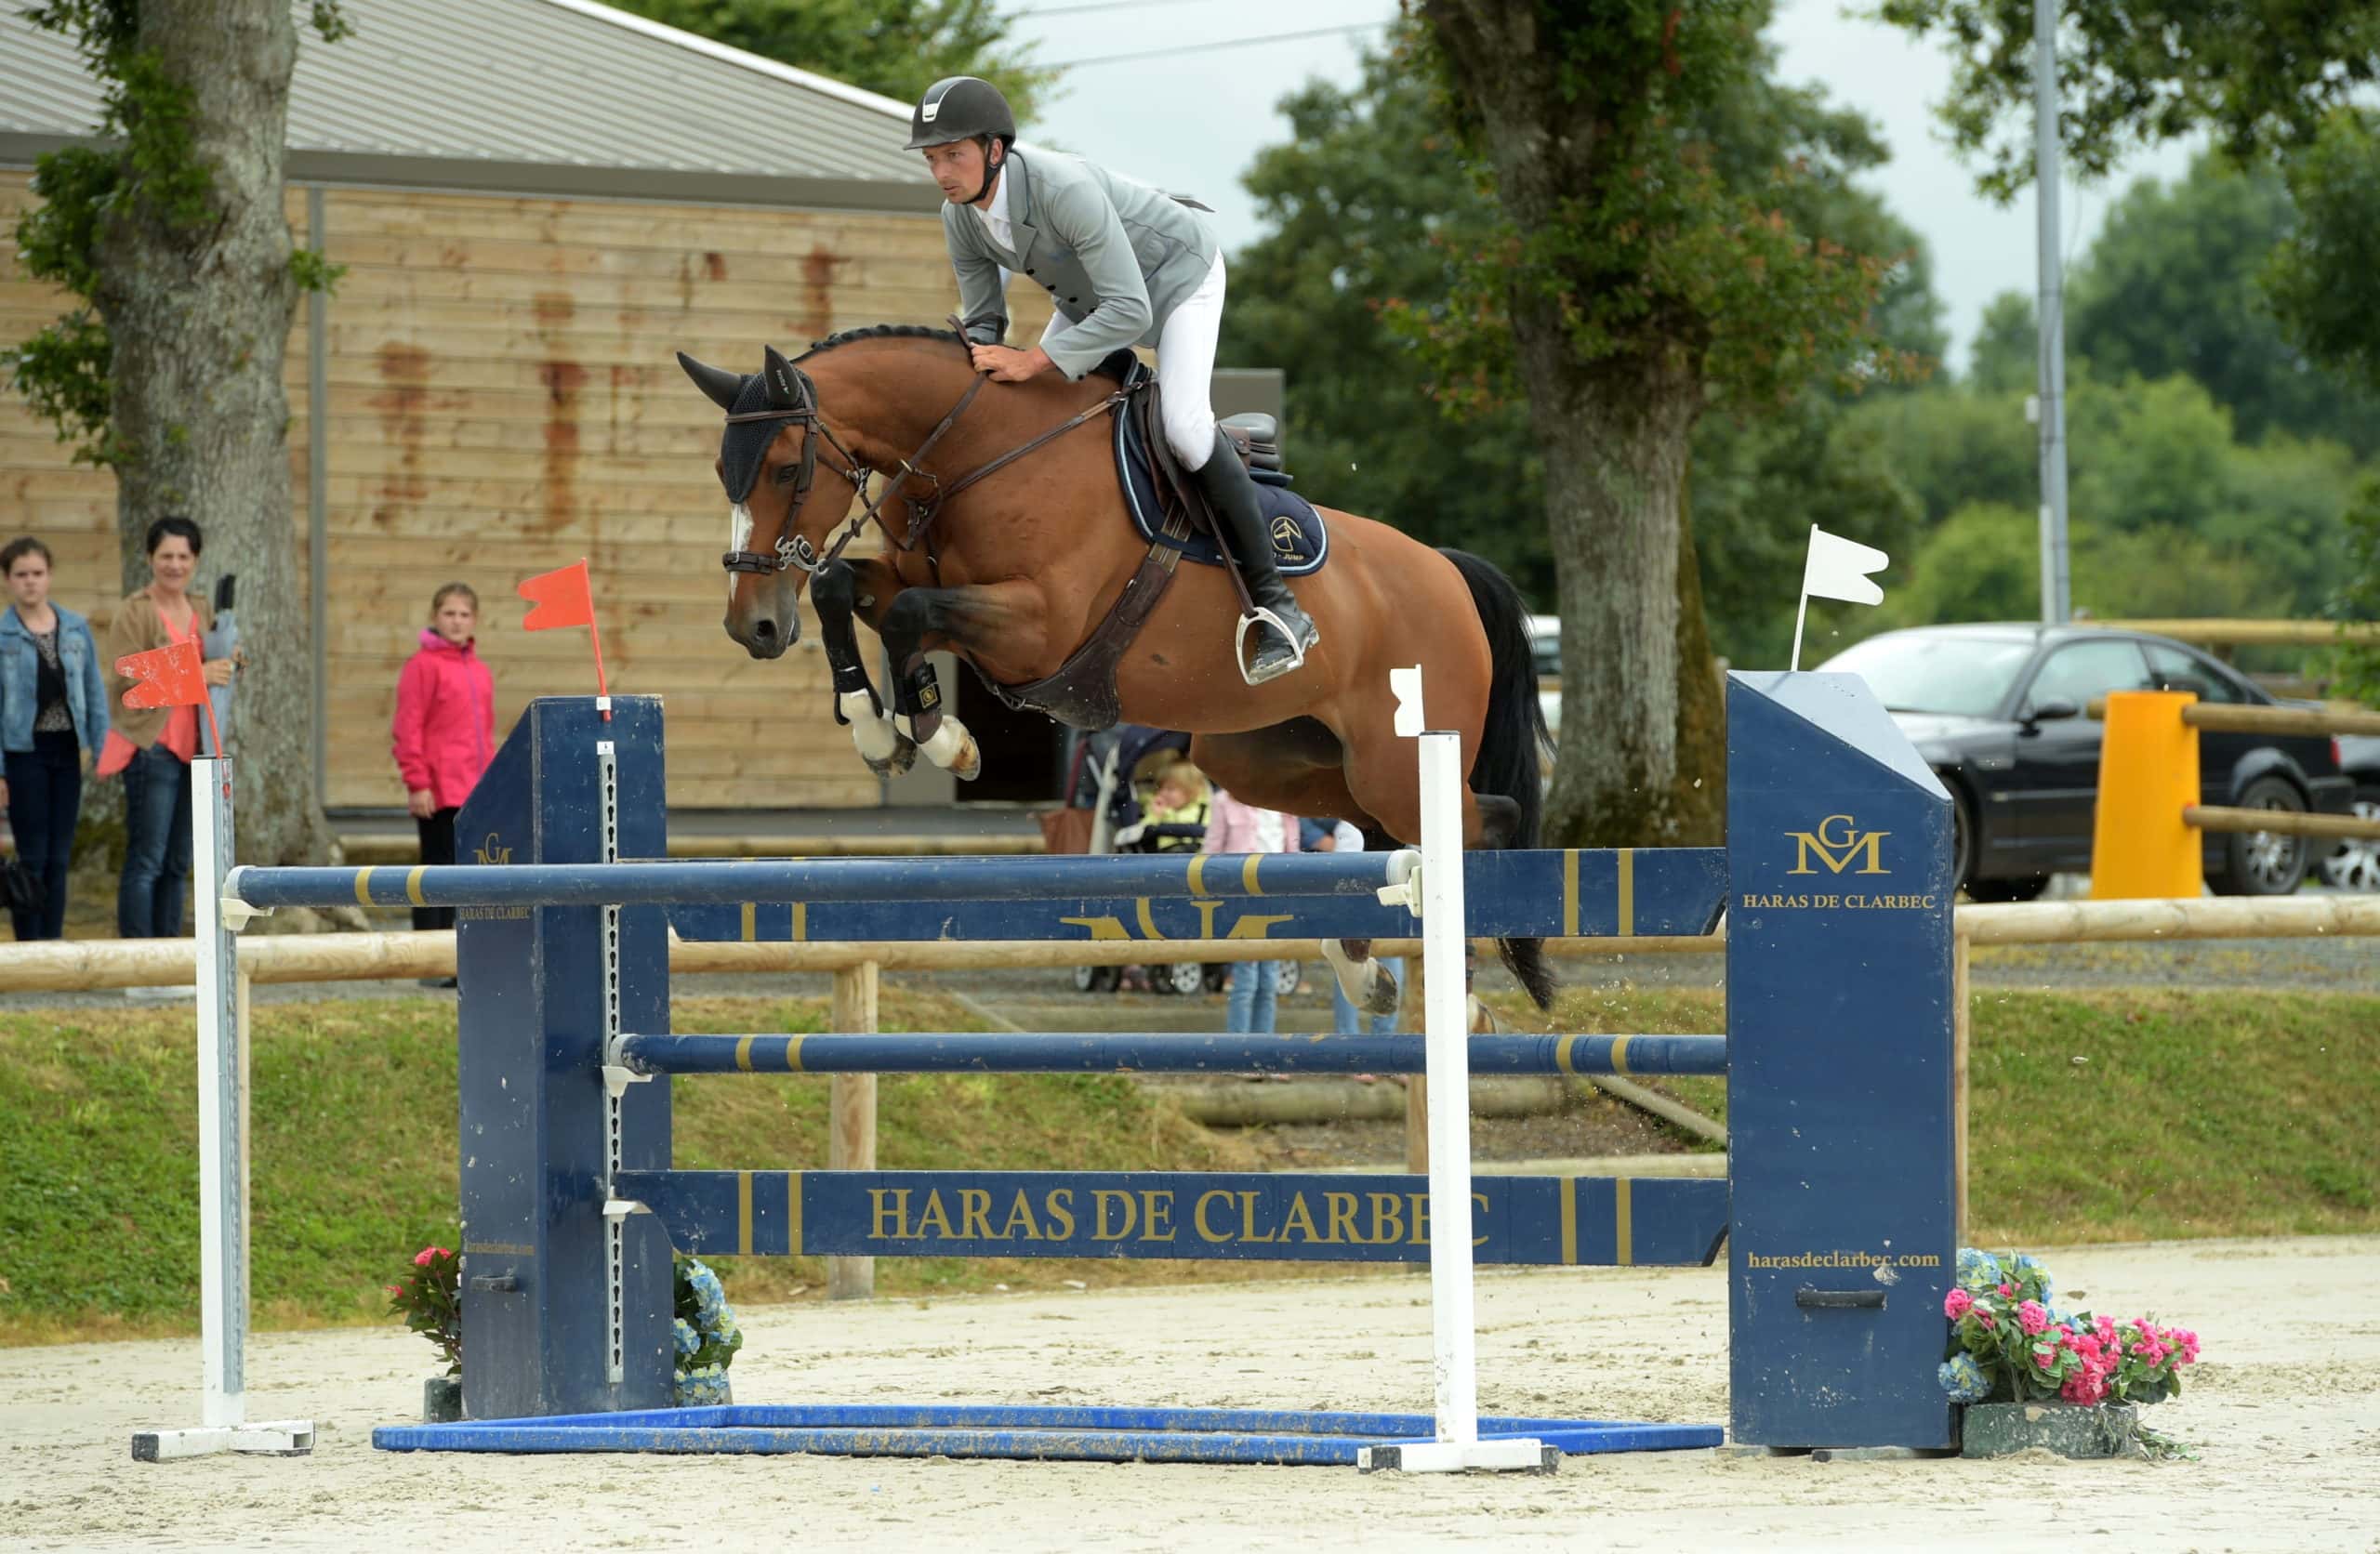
[[779, 374], [718, 382]]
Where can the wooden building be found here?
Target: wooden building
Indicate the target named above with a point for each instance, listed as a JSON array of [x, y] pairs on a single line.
[[537, 202]]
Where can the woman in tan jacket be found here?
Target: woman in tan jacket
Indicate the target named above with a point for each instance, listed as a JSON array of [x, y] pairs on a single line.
[[158, 742]]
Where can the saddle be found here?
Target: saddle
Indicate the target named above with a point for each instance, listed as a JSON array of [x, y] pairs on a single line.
[[1165, 506]]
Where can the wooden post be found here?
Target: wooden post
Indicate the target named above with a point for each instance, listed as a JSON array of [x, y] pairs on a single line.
[[851, 1125], [1417, 1086], [1960, 1021]]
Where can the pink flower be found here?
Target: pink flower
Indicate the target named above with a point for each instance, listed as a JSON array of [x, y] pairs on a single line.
[[2041, 1357], [2188, 1340], [1956, 1304], [2106, 1330], [2032, 1318], [2007, 1289], [429, 1254], [1985, 1317], [2085, 1386]]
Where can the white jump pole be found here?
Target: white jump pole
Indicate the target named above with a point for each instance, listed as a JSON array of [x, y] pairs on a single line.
[[1447, 1059], [222, 1161]]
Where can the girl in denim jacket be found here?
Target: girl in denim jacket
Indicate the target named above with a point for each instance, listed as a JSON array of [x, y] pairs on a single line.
[[53, 713]]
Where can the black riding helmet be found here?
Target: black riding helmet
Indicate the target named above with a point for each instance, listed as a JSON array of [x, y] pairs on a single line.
[[960, 108]]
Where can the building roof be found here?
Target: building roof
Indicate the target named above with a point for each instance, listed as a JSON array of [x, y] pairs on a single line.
[[548, 96]]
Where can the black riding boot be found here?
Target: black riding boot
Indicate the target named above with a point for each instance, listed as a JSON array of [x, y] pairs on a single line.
[[1232, 495]]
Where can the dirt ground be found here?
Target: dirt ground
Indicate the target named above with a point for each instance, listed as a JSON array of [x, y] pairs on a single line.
[[2282, 1415]]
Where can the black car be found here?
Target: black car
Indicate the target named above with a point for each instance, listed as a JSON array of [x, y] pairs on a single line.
[[1998, 711], [2355, 865]]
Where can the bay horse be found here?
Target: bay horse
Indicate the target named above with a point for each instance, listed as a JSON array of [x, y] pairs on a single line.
[[1009, 544]]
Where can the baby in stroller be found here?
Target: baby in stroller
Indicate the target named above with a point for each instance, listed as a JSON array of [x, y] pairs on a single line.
[[1173, 818]]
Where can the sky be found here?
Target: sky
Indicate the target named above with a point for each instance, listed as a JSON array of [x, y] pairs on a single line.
[[1190, 119]]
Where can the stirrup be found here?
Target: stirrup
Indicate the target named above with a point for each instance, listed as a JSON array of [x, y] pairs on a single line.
[[1260, 616]]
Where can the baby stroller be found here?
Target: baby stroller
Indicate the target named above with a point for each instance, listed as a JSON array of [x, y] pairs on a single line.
[[1114, 773]]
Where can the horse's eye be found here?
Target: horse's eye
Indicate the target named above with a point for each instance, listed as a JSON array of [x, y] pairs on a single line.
[[785, 473]]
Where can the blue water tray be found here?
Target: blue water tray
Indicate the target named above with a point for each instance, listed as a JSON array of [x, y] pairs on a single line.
[[1052, 1434]]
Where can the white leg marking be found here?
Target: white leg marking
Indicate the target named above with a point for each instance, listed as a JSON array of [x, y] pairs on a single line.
[[873, 732]]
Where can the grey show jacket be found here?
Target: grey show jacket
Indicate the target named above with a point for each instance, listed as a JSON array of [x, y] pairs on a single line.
[[1115, 256]]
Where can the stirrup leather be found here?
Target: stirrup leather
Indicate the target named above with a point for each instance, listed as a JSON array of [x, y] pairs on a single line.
[[1260, 616]]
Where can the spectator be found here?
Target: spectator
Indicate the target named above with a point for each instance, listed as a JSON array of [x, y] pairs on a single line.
[[1175, 818], [1346, 1018], [53, 707], [1233, 826], [152, 747], [444, 729]]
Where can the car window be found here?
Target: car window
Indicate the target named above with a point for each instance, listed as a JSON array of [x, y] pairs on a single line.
[[2082, 672], [2167, 663], [1911, 671]]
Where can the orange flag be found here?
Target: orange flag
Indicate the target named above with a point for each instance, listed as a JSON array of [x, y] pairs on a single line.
[[564, 597], [169, 677], [559, 599]]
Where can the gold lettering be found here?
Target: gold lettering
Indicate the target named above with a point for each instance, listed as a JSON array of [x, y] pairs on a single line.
[[1020, 1220], [1252, 925], [1299, 1215], [1837, 845], [1247, 1221], [1479, 1216], [1102, 1200], [1059, 1207], [1341, 1209], [1156, 1213], [975, 1213], [898, 1214], [1101, 928], [1421, 1217], [1198, 1216], [1388, 1218], [934, 1216]]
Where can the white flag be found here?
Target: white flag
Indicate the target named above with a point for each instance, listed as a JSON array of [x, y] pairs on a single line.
[[1839, 568], [1405, 685]]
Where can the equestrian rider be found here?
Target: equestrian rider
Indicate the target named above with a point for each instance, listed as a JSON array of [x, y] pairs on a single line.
[[1124, 264]]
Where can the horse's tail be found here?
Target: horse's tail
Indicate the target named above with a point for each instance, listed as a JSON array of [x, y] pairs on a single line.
[[1513, 740]]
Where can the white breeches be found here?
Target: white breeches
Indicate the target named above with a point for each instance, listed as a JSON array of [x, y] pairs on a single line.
[[1185, 370]]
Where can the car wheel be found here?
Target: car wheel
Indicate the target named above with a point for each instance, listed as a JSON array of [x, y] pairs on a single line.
[[1990, 891], [1963, 840], [2264, 862], [1186, 978], [1286, 980], [1097, 979], [2355, 865]]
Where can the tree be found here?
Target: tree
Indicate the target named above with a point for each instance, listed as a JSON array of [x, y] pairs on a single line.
[[1648, 271], [2171, 285], [2281, 79], [898, 47], [173, 240], [2007, 356]]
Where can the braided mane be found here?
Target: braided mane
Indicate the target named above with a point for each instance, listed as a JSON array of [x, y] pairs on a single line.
[[880, 332]]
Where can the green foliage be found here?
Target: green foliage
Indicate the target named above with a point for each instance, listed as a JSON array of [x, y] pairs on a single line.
[[2007, 355], [1951, 445], [429, 1296], [2145, 71], [1981, 563], [151, 171], [1673, 240], [2171, 285], [2357, 598], [897, 47], [2324, 279]]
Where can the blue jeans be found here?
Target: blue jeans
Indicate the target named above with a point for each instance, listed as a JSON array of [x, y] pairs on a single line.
[[156, 846], [1251, 1001], [1346, 1019], [44, 797]]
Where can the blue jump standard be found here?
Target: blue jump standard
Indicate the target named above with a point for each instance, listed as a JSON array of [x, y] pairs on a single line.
[[1166, 1052], [1205, 1435]]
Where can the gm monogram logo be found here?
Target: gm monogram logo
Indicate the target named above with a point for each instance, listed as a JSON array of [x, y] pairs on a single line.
[[491, 851], [1837, 842]]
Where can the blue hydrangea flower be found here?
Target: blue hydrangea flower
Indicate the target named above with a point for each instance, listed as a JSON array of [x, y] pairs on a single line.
[[702, 1389], [1979, 1269], [1963, 1379], [688, 1339]]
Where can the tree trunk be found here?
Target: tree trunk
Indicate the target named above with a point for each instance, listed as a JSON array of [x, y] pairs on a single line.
[[1638, 762], [199, 315]]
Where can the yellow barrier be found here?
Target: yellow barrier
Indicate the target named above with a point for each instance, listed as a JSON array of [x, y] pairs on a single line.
[[2140, 845]]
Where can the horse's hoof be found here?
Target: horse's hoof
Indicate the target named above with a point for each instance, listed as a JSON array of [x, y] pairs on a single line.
[[1481, 1020], [1381, 998], [951, 747], [904, 756]]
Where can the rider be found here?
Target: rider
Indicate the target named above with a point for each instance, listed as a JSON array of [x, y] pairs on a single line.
[[1124, 264]]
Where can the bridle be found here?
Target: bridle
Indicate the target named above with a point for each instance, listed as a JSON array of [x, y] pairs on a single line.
[[796, 552]]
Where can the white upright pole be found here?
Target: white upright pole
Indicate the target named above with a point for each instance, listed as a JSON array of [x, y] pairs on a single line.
[[222, 1159], [1446, 1061], [2050, 376]]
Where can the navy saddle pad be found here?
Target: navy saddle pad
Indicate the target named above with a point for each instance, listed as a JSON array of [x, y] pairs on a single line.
[[1300, 542]]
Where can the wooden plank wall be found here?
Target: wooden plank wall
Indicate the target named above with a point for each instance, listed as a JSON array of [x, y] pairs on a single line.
[[503, 399]]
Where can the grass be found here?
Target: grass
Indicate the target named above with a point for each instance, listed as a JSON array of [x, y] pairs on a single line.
[[2096, 1116]]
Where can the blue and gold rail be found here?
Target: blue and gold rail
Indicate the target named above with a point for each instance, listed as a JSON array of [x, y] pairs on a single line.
[[1163, 1052]]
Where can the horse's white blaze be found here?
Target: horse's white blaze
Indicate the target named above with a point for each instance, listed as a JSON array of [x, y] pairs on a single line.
[[739, 537]]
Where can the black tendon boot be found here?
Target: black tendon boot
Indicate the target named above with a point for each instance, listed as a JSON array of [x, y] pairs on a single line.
[[1283, 633]]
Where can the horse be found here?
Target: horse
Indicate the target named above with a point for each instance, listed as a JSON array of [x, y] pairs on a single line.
[[1009, 544]]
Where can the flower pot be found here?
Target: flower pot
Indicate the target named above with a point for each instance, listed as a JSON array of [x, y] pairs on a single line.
[[441, 1400], [2066, 1429]]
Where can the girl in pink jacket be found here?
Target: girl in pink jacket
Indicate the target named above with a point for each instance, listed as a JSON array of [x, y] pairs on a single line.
[[445, 728], [1233, 826]]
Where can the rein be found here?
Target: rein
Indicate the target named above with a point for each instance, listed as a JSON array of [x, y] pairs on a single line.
[[796, 551]]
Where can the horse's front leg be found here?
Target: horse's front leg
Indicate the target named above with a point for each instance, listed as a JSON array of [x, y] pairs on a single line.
[[839, 588], [991, 620]]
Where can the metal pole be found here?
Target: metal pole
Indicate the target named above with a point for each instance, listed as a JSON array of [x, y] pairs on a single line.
[[2050, 376]]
